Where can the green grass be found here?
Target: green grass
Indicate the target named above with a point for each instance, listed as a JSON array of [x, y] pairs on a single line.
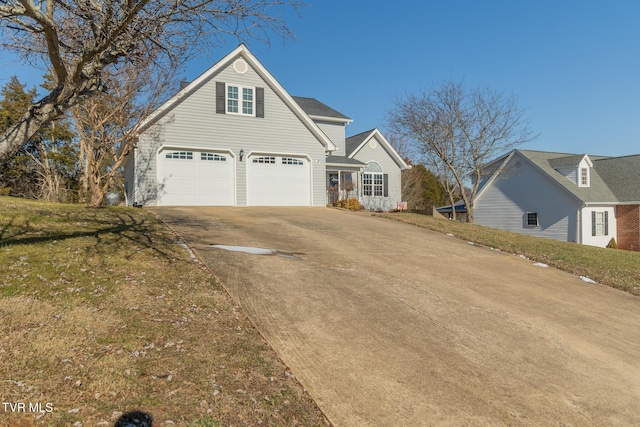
[[616, 268], [103, 312]]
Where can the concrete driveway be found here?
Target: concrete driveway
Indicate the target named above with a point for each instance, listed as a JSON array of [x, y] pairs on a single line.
[[390, 325]]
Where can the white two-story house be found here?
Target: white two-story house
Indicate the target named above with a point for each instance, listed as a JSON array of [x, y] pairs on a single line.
[[235, 137]]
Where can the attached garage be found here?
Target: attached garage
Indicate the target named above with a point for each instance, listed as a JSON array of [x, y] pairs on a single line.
[[278, 180], [192, 178]]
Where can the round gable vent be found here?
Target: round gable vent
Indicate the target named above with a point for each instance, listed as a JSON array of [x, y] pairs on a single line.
[[240, 66], [373, 144]]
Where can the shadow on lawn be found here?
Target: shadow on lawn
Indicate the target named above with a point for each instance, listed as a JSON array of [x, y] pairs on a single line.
[[108, 228]]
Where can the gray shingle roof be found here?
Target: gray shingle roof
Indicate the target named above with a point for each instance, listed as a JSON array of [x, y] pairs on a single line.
[[563, 161], [613, 179], [354, 141], [622, 175], [313, 107], [343, 160]]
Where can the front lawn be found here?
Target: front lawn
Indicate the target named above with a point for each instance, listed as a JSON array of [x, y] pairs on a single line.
[[616, 268], [102, 312]]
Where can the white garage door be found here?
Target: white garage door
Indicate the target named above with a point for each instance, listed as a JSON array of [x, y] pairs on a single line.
[[193, 178], [278, 181]]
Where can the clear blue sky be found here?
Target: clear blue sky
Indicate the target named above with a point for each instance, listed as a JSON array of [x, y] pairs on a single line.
[[575, 65]]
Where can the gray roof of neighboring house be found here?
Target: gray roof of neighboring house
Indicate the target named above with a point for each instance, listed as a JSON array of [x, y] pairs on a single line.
[[613, 179], [343, 160], [572, 160], [622, 175], [313, 107]]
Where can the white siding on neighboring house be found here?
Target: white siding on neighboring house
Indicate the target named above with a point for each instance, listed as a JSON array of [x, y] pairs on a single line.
[[375, 151], [522, 189], [194, 123], [598, 225], [571, 173]]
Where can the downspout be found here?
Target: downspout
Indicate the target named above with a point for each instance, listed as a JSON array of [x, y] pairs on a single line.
[[579, 224]]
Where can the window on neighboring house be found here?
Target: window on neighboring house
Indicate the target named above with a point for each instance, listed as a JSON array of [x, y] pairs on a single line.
[[599, 223], [532, 219], [240, 100], [584, 177]]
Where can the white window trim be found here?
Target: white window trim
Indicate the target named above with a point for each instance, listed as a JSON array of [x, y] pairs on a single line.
[[587, 176], [537, 224], [240, 100], [600, 223], [373, 187]]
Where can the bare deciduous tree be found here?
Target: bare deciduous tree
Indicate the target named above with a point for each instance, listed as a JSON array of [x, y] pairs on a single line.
[[458, 130], [78, 40], [107, 123]]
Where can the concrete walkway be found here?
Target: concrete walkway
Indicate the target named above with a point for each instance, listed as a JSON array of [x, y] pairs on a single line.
[[390, 325]]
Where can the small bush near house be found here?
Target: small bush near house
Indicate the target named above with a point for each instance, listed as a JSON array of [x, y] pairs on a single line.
[[351, 204], [612, 244]]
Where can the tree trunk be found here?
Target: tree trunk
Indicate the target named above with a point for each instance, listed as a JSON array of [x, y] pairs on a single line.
[[51, 107], [24, 129], [453, 206]]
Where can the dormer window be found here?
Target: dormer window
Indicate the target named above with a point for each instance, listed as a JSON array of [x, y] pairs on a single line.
[[584, 177]]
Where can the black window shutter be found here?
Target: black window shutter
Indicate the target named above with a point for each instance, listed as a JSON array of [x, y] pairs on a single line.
[[606, 223], [221, 98], [385, 183], [593, 223], [259, 102]]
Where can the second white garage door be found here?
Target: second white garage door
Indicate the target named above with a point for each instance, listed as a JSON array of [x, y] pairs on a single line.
[[276, 180]]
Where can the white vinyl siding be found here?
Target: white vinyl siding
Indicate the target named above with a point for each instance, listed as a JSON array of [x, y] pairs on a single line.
[[388, 168], [598, 225], [335, 132], [506, 202]]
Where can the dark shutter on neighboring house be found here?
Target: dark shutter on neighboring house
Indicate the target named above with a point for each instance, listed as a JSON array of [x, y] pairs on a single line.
[[606, 223], [385, 184], [259, 102], [593, 223], [220, 98]]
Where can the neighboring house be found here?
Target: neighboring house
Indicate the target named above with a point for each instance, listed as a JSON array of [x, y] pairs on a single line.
[[235, 137], [571, 197], [461, 211]]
